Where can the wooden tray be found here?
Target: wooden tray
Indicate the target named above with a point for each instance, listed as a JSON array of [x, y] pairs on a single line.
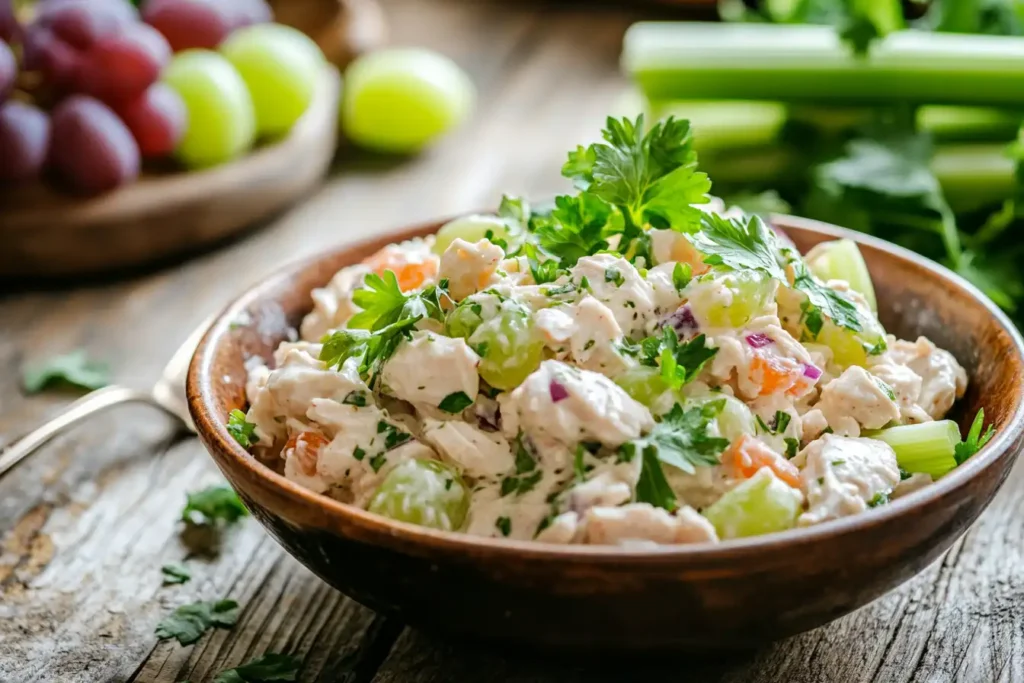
[[47, 233]]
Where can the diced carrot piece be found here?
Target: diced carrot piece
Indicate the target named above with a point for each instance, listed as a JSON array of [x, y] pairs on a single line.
[[306, 446], [747, 455], [772, 374], [410, 274], [684, 252]]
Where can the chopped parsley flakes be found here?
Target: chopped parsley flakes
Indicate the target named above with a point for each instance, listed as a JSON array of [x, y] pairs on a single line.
[[241, 431], [455, 403]]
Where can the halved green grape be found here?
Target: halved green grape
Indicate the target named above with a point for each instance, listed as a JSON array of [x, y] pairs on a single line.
[[762, 504], [731, 299], [424, 492], [501, 332], [281, 67], [221, 121], [735, 419], [643, 383], [842, 260], [472, 229], [400, 100], [849, 347]]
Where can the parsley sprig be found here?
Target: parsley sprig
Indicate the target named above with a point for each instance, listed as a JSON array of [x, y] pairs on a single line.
[[748, 244], [265, 669], [373, 349], [680, 439], [680, 362], [383, 302], [976, 438]]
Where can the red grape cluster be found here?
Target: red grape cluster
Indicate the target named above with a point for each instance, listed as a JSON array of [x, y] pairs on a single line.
[[86, 104]]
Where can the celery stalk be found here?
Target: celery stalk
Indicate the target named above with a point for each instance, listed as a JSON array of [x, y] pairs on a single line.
[[803, 63], [928, 447]]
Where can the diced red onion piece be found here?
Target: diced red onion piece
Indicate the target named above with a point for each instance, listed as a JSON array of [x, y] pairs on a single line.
[[682, 321], [558, 391], [759, 340], [811, 372]]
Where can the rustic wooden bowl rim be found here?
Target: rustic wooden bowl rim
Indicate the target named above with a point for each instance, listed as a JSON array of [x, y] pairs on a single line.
[[204, 411]]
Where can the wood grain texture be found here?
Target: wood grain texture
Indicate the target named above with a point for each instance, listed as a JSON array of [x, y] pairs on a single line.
[[96, 509]]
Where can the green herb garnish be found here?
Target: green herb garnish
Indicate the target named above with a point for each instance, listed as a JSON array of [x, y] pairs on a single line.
[[189, 622], [73, 369], [213, 504]]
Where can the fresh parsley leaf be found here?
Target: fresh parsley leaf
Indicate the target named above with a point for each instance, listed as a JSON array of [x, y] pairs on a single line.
[[213, 504], [652, 486], [189, 622], [504, 525], [575, 228], [455, 403], [372, 348], [740, 244], [73, 369], [514, 209], [680, 439], [241, 431], [384, 303], [270, 668], [543, 268], [680, 363], [682, 273], [652, 178], [823, 300], [175, 573], [976, 439]]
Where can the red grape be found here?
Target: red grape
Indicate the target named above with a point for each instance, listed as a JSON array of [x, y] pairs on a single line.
[[248, 12], [92, 149], [190, 23], [64, 29], [121, 66], [24, 140], [79, 23], [157, 119], [8, 71]]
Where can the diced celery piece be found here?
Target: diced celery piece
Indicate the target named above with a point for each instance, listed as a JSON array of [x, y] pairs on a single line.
[[760, 505], [928, 447]]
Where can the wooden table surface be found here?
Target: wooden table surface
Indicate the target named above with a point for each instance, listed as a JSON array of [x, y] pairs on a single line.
[[86, 524]]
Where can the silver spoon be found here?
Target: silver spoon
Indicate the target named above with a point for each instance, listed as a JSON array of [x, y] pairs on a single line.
[[168, 394]]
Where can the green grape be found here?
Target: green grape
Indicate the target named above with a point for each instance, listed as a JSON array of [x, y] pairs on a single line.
[[281, 67], [472, 229], [751, 294], [502, 334], [643, 383], [849, 347], [760, 505], [842, 260], [735, 419], [221, 122], [424, 492], [400, 100]]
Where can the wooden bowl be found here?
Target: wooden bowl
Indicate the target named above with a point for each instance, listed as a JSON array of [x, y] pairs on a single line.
[[45, 232], [606, 600]]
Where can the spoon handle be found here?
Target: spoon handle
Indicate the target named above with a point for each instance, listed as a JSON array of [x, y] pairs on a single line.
[[91, 403]]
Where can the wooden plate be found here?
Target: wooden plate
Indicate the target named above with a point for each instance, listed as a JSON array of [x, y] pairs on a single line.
[[45, 232]]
